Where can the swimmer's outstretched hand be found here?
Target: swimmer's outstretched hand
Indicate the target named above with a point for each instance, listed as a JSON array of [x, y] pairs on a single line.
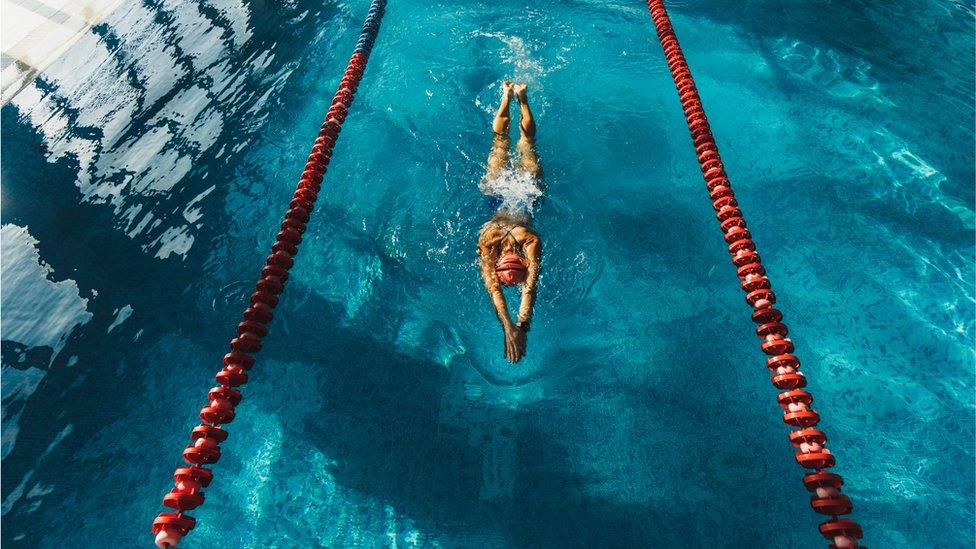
[[514, 343]]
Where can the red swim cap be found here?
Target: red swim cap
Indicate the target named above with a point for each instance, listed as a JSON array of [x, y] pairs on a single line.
[[511, 269]]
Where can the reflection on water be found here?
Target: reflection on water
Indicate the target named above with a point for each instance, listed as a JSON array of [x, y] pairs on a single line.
[[150, 94], [31, 341]]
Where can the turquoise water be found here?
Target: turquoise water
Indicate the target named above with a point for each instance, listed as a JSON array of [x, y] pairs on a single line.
[[146, 172]]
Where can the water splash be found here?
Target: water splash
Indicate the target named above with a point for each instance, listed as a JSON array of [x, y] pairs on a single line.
[[518, 54], [523, 63], [516, 188]]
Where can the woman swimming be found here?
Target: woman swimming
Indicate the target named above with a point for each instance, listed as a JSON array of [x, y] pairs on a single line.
[[510, 251]]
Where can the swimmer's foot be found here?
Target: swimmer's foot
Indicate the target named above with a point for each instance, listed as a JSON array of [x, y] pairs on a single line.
[[521, 92], [507, 88]]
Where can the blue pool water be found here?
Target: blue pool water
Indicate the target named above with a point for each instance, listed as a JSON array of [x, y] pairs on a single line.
[[146, 171]]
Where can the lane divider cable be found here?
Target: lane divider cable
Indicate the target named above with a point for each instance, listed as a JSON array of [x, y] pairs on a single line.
[[204, 449], [781, 362]]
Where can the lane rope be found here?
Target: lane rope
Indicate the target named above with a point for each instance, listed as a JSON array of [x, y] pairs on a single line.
[[170, 527], [772, 332]]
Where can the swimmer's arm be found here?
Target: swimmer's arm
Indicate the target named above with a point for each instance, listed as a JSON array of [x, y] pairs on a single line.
[[532, 246], [493, 286]]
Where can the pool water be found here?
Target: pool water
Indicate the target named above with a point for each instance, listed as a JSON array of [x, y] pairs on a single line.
[[146, 172]]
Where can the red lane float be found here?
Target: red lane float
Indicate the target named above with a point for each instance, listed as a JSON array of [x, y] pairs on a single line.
[[170, 528], [783, 365]]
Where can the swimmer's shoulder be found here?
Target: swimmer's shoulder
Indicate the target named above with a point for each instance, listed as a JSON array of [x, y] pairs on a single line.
[[490, 234]]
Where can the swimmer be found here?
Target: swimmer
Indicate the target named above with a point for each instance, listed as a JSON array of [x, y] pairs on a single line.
[[510, 251]]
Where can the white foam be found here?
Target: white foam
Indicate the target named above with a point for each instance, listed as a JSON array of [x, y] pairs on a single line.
[[518, 190]]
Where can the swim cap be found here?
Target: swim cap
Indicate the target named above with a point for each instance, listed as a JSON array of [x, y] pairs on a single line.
[[511, 269]]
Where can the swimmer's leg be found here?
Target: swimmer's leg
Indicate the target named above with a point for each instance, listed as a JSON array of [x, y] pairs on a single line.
[[529, 159], [498, 156]]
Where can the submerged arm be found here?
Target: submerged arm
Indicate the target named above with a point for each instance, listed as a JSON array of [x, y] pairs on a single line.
[[532, 246]]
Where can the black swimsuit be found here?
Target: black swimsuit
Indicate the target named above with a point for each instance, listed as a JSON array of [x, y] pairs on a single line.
[[509, 234], [520, 250]]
